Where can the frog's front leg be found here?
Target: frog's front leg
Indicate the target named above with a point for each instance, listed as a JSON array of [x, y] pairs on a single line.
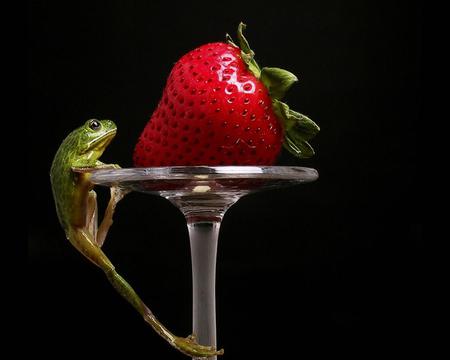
[[117, 194], [92, 214]]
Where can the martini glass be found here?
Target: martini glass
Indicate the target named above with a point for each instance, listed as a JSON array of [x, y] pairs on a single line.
[[203, 194]]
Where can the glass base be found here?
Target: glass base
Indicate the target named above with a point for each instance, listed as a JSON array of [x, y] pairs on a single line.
[[203, 194]]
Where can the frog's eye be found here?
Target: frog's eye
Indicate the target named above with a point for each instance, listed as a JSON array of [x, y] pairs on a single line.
[[94, 124]]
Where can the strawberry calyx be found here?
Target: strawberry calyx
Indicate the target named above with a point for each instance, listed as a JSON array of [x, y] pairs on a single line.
[[298, 128]]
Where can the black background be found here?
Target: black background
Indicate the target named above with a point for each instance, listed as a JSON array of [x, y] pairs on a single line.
[[321, 268]]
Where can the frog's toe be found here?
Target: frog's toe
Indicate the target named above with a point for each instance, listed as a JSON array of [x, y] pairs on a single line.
[[192, 338], [190, 347]]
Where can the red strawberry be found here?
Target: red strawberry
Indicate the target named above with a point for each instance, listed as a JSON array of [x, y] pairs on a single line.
[[220, 108]]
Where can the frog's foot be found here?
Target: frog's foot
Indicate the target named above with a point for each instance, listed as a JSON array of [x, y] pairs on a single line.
[[190, 347], [117, 194], [100, 165], [82, 170]]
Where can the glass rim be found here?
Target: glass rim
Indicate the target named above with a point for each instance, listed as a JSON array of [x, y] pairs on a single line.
[[294, 173]]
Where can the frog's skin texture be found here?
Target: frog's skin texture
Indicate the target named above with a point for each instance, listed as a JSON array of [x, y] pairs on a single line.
[[76, 206]]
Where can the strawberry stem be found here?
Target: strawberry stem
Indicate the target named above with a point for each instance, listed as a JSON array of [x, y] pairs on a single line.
[[299, 129]]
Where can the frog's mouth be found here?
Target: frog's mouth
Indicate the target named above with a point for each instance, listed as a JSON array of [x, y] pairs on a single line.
[[98, 145], [103, 141]]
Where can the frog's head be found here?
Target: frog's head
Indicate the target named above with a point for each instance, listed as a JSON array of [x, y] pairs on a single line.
[[94, 137]]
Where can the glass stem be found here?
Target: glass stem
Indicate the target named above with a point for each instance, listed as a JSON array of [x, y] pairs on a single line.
[[203, 239]]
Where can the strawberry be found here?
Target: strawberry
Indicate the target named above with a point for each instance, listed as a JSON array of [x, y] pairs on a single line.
[[220, 108]]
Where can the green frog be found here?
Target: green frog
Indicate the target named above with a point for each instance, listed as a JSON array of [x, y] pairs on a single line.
[[76, 207]]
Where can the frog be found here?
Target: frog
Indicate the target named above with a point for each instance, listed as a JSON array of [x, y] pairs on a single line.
[[76, 207]]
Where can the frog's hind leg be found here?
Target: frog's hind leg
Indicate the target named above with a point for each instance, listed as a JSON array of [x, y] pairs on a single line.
[[85, 244]]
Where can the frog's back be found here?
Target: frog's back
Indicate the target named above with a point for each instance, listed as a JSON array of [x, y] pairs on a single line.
[[62, 178]]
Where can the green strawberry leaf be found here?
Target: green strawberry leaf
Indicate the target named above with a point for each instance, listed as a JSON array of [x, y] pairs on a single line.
[[243, 43], [300, 149], [299, 129], [247, 54], [230, 40], [277, 81], [304, 124]]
